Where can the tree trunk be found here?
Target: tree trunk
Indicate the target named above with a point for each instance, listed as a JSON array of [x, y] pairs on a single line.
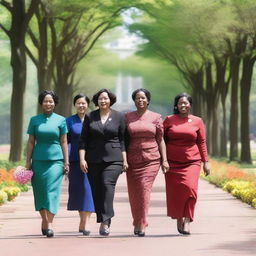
[[210, 107], [18, 64], [221, 88], [215, 132], [234, 113], [63, 88], [245, 87], [196, 78], [223, 133], [64, 92]]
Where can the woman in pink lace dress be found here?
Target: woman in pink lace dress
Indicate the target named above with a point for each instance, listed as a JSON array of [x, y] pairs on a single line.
[[145, 153]]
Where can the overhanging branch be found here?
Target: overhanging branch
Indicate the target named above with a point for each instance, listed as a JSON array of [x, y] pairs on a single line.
[[7, 5], [5, 30]]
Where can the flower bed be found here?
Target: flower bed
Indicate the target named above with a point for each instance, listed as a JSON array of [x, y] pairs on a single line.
[[9, 189], [239, 183]]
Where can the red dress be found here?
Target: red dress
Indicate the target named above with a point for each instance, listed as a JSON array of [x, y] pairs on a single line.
[[186, 148], [144, 134]]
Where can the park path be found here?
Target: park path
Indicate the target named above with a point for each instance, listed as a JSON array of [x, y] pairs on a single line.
[[223, 226]]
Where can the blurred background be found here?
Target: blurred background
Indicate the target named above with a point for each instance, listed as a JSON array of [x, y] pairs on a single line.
[[205, 48]]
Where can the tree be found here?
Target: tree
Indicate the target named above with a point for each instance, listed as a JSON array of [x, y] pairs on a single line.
[[67, 33], [21, 15], [188, 35]]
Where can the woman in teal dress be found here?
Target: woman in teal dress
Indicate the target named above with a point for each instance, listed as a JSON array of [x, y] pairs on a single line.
[[48, 150]]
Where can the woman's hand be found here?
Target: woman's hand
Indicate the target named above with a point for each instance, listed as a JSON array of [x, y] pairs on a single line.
[[206, 168], [28, 165], [165, 166], [83, 166], [66, 168], [125, 166]]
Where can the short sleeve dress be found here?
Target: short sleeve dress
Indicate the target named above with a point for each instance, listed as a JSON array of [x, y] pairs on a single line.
[[79, 189], [47, 160]]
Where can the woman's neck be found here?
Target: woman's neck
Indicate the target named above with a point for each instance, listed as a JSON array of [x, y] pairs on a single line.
[[81, 115], [47, 112], [142, 111], [104, 111], [183, 115]]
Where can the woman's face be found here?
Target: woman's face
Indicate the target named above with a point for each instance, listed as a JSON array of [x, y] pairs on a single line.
[[81, 106], [141, 100], [104, 101], [48, 104], [183, 105]]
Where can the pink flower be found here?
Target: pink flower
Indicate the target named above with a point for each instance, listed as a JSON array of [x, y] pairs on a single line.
[[21, 175]]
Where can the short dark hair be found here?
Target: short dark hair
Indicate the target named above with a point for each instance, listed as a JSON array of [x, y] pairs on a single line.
[[176, 100], [79, 96], [147, 93], [111, 96], [42, 95]]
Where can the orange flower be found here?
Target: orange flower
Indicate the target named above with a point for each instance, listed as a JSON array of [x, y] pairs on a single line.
[[6, 175]]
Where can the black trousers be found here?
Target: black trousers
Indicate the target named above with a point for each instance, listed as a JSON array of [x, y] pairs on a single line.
[[103, 178]]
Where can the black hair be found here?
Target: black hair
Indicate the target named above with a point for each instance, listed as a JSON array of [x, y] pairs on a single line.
[[111, 96], [42, 95], [176, 100], [147, 93], [80, 95]]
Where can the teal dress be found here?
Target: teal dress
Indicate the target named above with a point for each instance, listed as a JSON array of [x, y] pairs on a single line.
[[47, 160]]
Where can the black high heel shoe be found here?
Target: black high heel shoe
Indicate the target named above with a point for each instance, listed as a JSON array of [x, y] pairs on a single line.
[[49, 233], [44, 232], [86, 232], [186, 230], [180, 226], [141, 233], [136, 230], [104, 230]]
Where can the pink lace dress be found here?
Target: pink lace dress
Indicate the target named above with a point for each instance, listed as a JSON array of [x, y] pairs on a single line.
[[144, 135]]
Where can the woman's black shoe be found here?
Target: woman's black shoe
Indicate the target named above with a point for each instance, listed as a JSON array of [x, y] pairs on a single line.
[[49, 233], [86, 232], [44, 232], [136, 231], [141, 233], [185, 232], [104, 230]]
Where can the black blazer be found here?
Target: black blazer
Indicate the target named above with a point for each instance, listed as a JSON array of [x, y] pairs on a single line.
[[103, 142]]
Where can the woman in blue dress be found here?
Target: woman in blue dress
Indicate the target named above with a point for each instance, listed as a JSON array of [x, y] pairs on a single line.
[[80, 195], [47, 155]]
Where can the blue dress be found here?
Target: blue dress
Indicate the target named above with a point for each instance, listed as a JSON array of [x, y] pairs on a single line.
[[47, 160], [80, 194]]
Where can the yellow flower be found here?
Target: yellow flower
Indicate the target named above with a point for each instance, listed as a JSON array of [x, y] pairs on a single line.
[[11, 192], [3, 197]]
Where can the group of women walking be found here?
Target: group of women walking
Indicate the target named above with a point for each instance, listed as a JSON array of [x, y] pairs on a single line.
[[94, 149]]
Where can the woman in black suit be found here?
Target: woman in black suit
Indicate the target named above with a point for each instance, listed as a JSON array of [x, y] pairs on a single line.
[[102, 154]]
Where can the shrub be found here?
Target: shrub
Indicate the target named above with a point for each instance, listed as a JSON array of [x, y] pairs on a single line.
[[3, 197], [239, 183], [11, 192]]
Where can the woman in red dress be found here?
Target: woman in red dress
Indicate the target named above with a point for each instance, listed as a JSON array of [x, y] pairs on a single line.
[[186, 148], [145, 153]]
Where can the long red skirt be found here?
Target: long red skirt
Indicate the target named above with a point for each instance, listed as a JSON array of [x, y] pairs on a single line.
[[140, 179], [181, 190]]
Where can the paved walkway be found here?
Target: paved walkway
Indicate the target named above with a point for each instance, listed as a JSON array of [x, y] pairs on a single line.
[[223, 226]]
